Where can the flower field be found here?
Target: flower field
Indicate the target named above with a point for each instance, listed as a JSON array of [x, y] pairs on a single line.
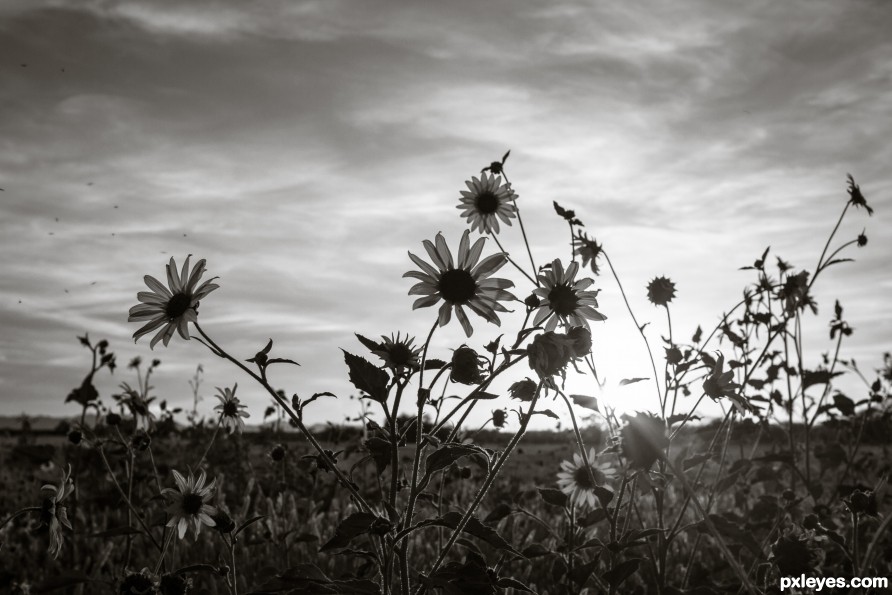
[[135, 496]]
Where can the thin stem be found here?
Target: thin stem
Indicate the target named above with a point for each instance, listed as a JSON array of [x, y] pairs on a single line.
[[511, 260], [127, 500], [211, 443]]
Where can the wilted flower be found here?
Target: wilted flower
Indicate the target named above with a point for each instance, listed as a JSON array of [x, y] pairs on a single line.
[[189, 508], [499, 418], [231, 410], [523, 390], [223, 522], [720, 383], [795, 293], [581, 339], [795, 555], [467, 285], [140, 440], [579, 481], [465, 366], [643, 439], [398, 353], [589, 250], [175, 308], [488, 201], [856, 199], [564, 298], [660, 291], [52, 514], [549, 353]]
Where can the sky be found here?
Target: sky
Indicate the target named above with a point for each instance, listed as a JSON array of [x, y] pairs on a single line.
[[303, 148]]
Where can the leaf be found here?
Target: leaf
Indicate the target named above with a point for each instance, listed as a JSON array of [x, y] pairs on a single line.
[[479, 394], [510, 583], [498, 513], [586, 401], [596, 515], [580, 573], [316, 396], [845, 405], [247, 524], [474, 527], [626, 381], [380, 451], [282, 360], [616, 575], [367, 377], [812, 377], [371, 345], [695, 460], [548, 413], [697, 335], [354, 525], [434, 364], [448, 454], [553, 496], [536, 550]]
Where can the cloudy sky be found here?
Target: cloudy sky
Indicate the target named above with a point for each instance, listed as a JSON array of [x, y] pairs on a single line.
[[303, 148]]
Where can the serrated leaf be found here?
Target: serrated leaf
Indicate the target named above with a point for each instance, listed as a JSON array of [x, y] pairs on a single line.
[[448, 454], [367, 377], [281, 360], [370, 345]]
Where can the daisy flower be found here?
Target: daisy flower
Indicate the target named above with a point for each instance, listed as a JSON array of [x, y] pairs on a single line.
[[172, 308], [565, 299], [230, 409], [575, 478], [462, 283], [52, 514], [399, 354], [488, 201], [189, 508]]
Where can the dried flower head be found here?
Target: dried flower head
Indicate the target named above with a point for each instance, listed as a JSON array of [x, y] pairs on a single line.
[[720, 383], [660, 291], [499, 418], [466, 366], [523, 390], [171, 309], [460, 284], [399, 353], [53, 515], [589, 250], [549, 353], [857, 199]]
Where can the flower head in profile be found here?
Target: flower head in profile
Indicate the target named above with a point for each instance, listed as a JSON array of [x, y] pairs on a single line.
[[462, 283], [53, 515], [580, 481], [565, 299], [486, 201], [857, 199], [190, 507], [549, 353], [720, 383], [231, 410], [660, 291], [589, 250], [399, 353], [171, 309]]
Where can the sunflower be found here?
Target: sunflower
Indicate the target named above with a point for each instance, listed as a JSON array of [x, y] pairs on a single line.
[[466, 284], [579, 481], [398, 353], [174, 308], [189, 508], [52, 514], [720, 383], [488, 201], [230, 409], [564, 298]]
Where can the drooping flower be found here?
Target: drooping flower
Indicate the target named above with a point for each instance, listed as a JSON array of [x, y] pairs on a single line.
[[465, 366], [582, 340], [190, 506], [589, 250], [720, 383], [523, 390], [795, 293], [53, 515], [857, 199], [231, 410], [660, 291], [488, 201], [565, 299], [549, 353], [580, 481], [643, 440], [462, 283], [399, 354], [499, 418], [174, 308]]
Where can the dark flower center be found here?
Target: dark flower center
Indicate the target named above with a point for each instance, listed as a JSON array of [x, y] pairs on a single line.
[[177, 305], [583, 477], [230, 409], [487, 202], [399, 354], [457, 286], [192, 503], [563, 300]]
